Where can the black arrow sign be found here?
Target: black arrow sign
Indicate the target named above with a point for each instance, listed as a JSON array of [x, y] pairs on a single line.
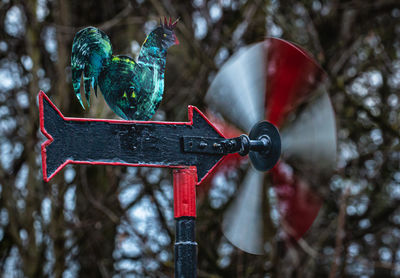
[[115, 142]]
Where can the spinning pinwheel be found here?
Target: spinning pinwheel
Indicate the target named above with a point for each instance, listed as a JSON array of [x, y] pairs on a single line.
[[279, 82]]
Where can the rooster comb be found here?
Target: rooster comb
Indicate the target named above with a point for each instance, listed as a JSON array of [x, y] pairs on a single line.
[[168, 24]]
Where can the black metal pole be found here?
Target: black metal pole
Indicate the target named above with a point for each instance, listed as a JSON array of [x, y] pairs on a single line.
[[185, 215], [185, 248]]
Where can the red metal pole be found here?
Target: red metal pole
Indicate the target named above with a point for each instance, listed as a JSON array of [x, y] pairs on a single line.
[[185, 213]]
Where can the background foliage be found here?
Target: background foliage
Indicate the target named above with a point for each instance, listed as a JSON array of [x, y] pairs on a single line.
[[113, 221]]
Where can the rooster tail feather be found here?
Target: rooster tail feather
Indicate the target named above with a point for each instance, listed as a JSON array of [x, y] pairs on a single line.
[[91, 53], [87, 89], [95, 86], [76, 82]]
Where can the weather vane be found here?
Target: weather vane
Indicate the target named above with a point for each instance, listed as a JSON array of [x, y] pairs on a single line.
[[134, 90]]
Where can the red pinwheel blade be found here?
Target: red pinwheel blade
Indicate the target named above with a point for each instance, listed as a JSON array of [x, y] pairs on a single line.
[[297, 204], [289, 85], [292, 77]]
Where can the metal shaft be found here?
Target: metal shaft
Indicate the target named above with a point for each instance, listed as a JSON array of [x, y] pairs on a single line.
[[262, 144], [185, 248]]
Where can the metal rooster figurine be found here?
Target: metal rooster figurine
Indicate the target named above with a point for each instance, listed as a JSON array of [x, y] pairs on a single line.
[[133, 90]]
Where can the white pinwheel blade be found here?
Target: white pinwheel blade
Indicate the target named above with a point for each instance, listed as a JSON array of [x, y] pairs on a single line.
[[243, 221], [310, 138], [238, 90]]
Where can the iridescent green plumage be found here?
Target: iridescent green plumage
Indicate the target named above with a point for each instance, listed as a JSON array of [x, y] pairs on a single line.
[[133, 90]]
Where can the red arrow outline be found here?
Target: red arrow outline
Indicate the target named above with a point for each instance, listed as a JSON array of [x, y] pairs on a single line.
[[50, 139]]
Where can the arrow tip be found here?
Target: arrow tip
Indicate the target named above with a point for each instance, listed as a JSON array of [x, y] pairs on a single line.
[[197, 118], [204, 127]]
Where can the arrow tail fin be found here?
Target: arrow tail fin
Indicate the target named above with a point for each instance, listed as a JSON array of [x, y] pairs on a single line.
[[52, 125]]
